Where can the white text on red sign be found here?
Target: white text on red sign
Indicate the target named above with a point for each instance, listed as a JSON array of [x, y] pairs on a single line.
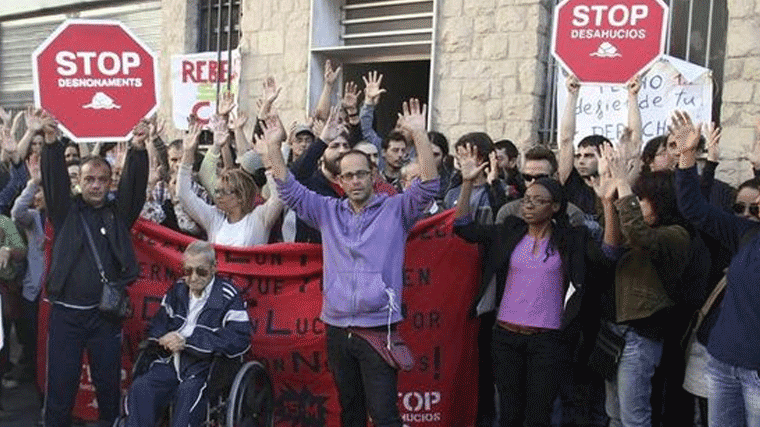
[[618, 15]]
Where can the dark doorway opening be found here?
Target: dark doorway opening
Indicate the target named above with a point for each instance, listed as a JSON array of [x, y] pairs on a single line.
[[402, 80]]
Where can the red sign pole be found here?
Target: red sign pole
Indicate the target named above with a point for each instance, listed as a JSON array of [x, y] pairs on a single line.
[[609, 41], [96, 78]]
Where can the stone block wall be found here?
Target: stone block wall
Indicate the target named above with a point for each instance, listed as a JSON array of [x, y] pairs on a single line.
[[740, 109], [490, 61], [490, 68]]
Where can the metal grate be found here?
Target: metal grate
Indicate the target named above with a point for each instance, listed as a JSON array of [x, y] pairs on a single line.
[[395, 21], [696, 33], [219, 25]]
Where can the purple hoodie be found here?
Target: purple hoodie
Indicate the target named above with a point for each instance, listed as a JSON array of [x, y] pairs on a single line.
[[363, 253]]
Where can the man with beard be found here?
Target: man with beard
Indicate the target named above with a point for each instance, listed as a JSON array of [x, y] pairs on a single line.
[[323, 180]]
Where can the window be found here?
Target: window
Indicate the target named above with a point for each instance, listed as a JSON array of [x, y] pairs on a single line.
[[394, 37], [697, 34], [219, 25]]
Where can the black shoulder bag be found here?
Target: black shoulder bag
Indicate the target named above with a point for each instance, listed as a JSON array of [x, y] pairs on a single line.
[[114, 302]]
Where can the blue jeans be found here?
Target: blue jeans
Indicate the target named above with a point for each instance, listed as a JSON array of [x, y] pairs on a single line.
[[365, 382], [734, 395], [629, 397]]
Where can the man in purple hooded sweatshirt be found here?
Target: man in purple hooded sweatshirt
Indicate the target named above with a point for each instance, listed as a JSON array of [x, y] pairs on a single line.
[[363, 242]]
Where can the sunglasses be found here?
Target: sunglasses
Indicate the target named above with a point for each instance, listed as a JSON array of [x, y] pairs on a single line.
[[218, 192], [200, 271], [529, 177], [740, 208]]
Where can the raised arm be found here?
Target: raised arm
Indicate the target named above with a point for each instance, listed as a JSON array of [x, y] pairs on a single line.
[[323, 105], [237, 124], [134, 176], [21, 211], [372, 93], [199, 210], [464, 224], [308, 205], [413, 121], [634, 116], [567, 129], [725, 227], [55, 178]]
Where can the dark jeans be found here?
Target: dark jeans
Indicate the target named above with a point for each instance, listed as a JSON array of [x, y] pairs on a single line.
[[486, 413], [26, 330], [363, 379], [70, 331], [528, 370]]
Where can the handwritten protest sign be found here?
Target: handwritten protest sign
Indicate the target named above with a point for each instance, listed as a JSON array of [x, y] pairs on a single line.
[[671, 84], [194, 84]]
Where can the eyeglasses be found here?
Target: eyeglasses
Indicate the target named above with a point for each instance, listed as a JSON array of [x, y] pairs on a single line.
[[740, 208], [218, 192], [535, 201], [348, 176], [529, 177], [200, 271]]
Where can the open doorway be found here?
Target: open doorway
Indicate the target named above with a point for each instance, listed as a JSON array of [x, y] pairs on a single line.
[[402, 80]]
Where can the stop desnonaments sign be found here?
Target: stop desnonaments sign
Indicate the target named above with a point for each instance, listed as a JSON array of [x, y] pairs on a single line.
[[96, 78], [609, 41]]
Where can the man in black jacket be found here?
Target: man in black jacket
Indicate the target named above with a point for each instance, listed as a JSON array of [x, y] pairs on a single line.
[[74, 283]]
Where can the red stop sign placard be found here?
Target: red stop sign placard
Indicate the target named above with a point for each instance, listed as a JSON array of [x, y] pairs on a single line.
[[96, 78], [608, 41]]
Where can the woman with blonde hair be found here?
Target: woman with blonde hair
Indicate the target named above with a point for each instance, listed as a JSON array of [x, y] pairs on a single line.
[[233, 221]]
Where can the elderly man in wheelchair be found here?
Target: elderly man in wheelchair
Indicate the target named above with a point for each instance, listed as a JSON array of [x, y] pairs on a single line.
[[201, 316]]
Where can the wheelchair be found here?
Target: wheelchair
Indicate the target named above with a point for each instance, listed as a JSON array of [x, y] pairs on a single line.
[[239, 394]]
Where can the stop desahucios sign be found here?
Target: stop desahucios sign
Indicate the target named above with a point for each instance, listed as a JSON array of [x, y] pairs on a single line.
[[96, 78], [608, 41]]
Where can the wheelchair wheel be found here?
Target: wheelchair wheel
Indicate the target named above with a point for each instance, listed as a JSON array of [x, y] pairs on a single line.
[[251, 401]]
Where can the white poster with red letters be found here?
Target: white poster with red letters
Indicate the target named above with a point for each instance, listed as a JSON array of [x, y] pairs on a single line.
[[194, 84]]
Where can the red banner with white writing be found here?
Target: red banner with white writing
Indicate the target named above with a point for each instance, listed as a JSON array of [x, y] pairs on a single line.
[[281, 285]]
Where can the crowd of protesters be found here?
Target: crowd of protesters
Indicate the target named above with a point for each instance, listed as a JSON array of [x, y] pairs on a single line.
[[618, 242]]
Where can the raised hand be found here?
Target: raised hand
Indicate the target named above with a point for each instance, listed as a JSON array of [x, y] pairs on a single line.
[[634, 85], [140, 133], [412, 118], [5, 116], [468, 163], [9, 143], [331, 74], [238, 120], [372, 90], [33, 120], [713, 133], [33, 165], [271, 92], [190, 140], [350, 99], [274, 133], [317, 126], [218, 126], [685, 133], [572, 84], [156, 127], [332, 127], [49, 127], [226, 103], [605, 183], [493, 168]]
